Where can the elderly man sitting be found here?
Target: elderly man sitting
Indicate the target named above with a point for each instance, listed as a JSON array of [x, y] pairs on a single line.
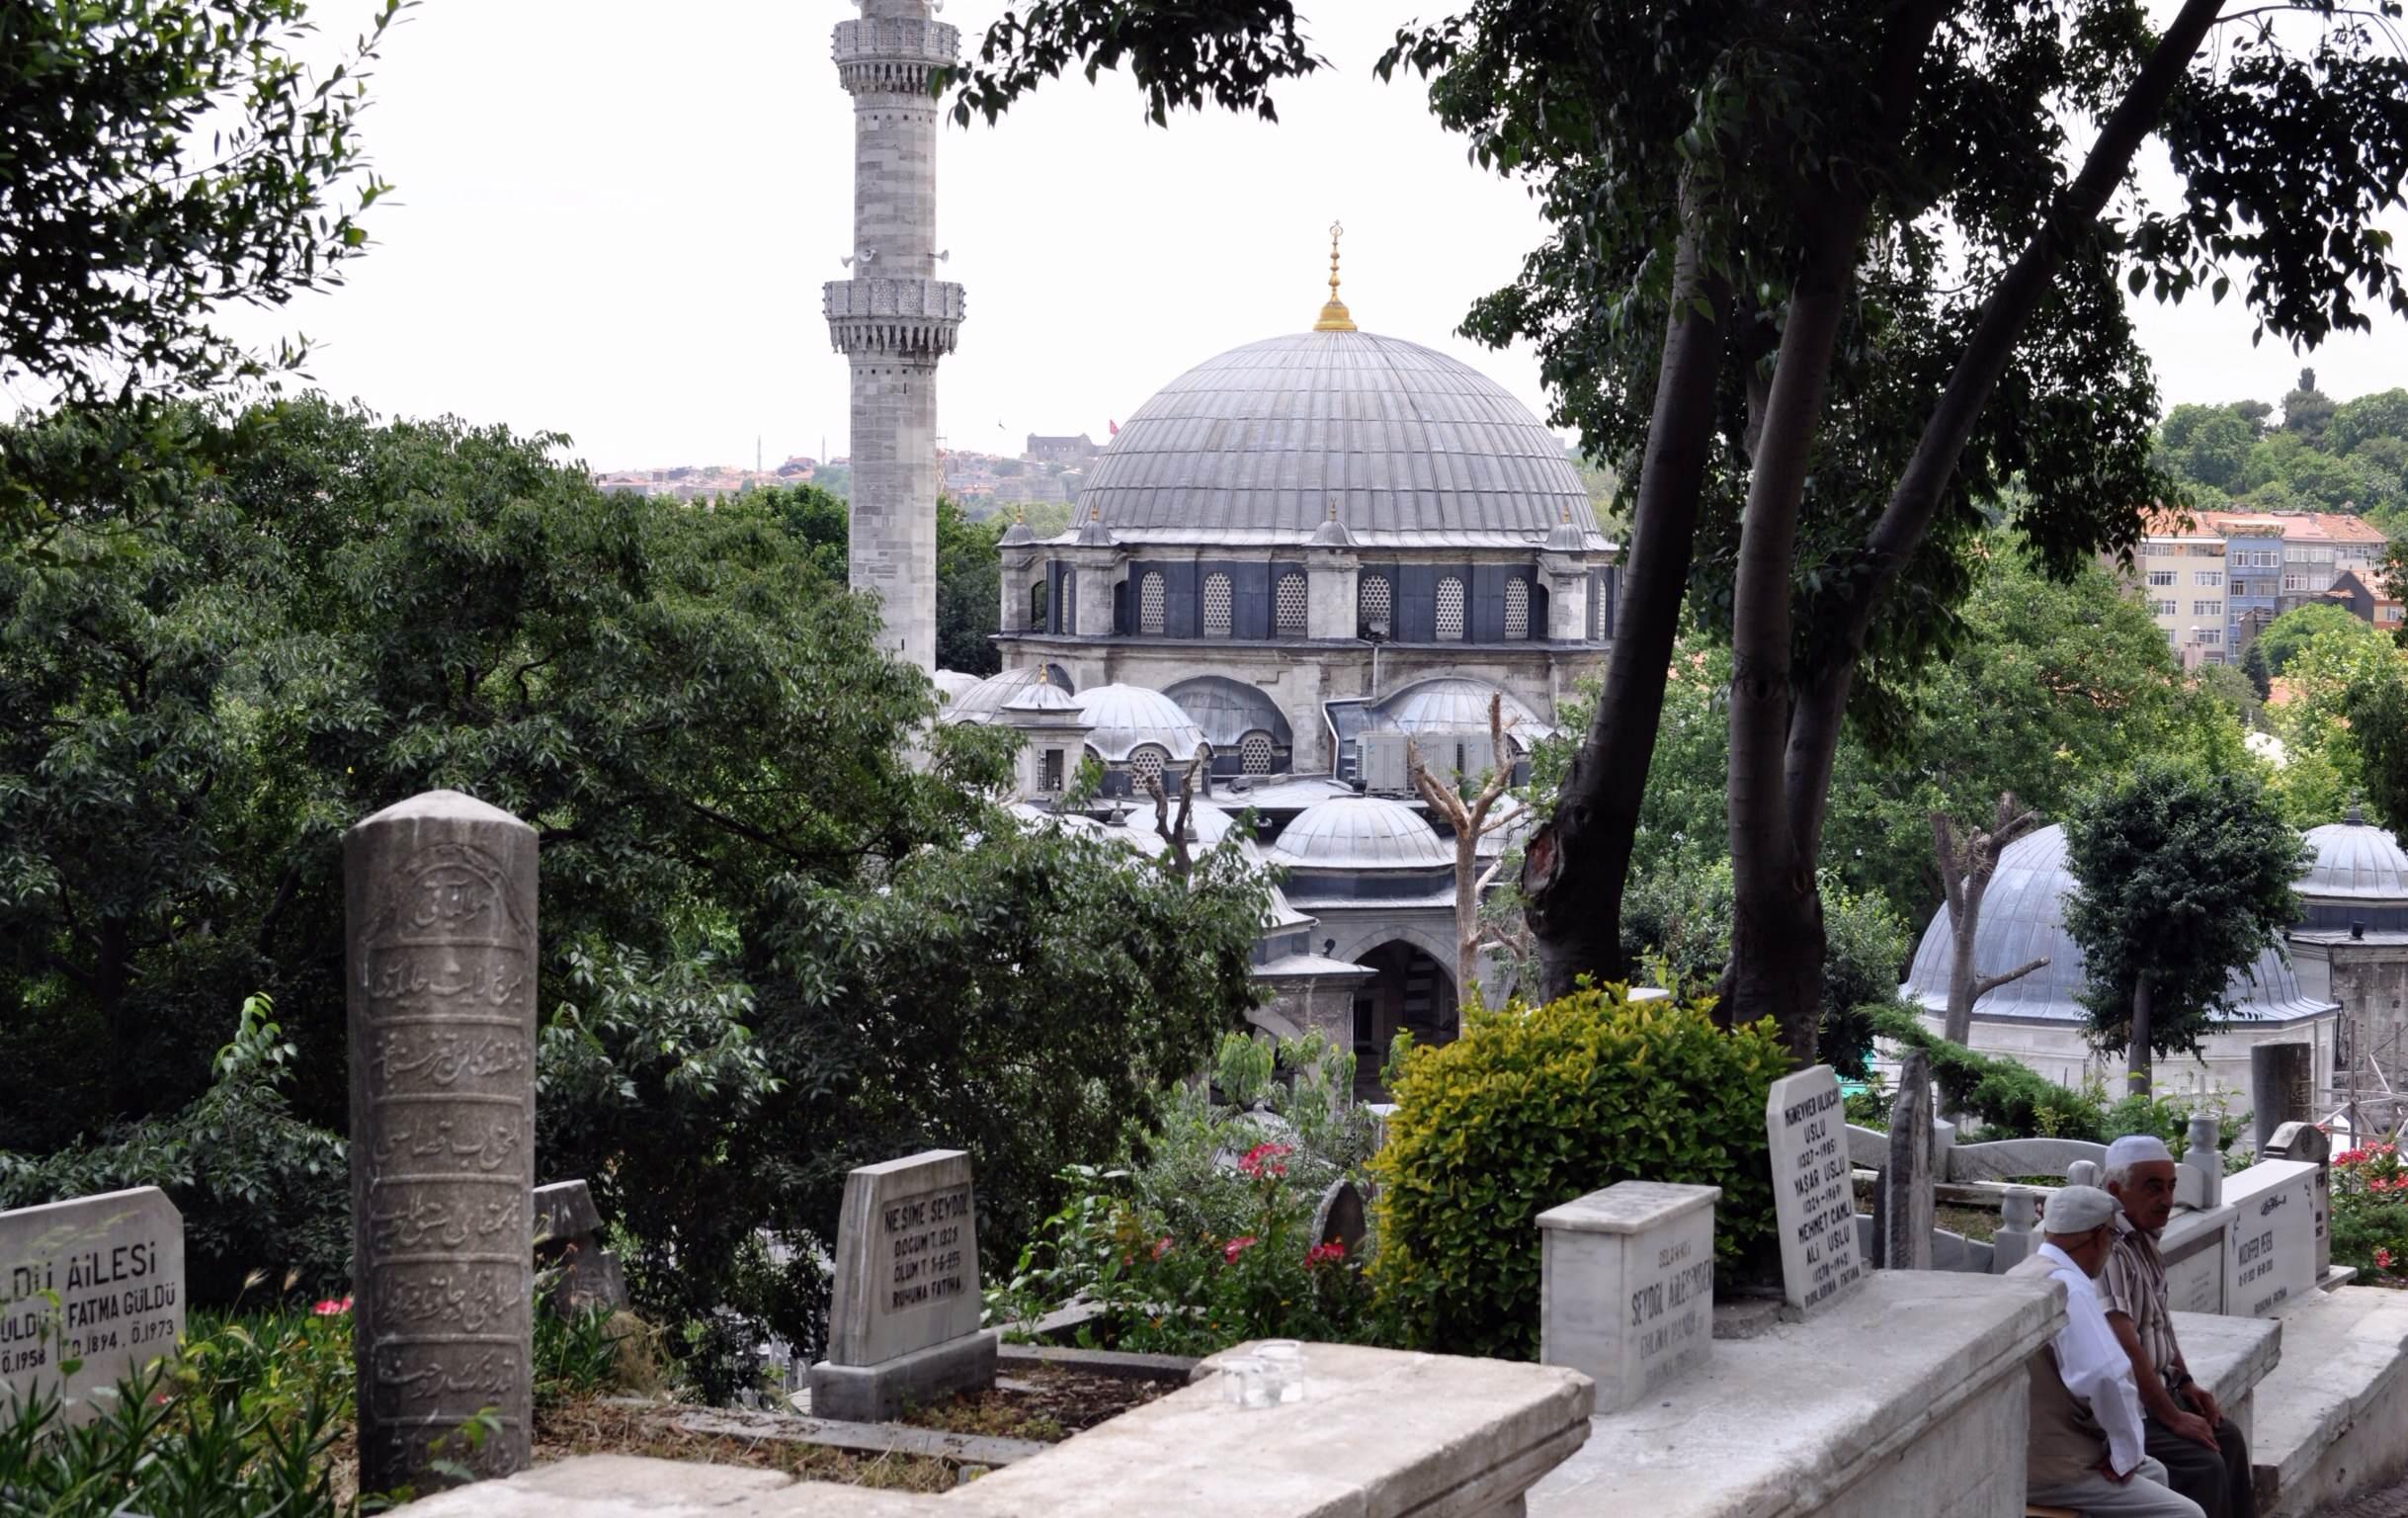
[[2087, 1443], [2206, 1457]]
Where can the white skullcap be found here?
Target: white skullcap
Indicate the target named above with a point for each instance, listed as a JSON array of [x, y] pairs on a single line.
[[2079, 1209], [2137, 1149]]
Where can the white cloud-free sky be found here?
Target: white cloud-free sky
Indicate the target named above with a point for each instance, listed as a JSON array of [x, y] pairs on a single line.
[[612, 219]]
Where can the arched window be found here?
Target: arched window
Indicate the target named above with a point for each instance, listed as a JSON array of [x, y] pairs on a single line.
[[1291, 600], [1146, 763], [1216, 605], [1372, 607], [1149, 604], [1451, 608], [1256, 754], [1517, 609], [1037, 607]]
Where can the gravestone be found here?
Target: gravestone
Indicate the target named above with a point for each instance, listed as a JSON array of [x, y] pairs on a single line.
[[568, 1243], [2199, 1179], [1627, 1286], [440, 904], [1813, 1195], [2272, 1256], [1340, 1219], [117, 1264], [2083, 1172], [2019, 1230], [2307, 1141], [2281, 1088], [2194, 1247], [1907, 1205], [904, 1324]]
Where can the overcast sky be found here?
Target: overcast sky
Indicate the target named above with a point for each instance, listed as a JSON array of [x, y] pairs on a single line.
[[612, 219]]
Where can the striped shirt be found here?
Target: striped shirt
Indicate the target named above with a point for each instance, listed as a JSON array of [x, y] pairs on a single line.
[[2135, 1285]]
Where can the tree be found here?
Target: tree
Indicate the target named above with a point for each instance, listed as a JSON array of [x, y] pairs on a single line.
[[2208, 444], [970, 577], [2287, 633], [2254, 665], [2378, 414], [2378, 723], [167, 157], [2307, 410], [1967, 858], [2185, 880], [1468, 806], [1870, 321]]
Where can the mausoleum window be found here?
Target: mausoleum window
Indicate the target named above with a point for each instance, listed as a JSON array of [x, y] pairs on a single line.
[[1291, 600], [1037, 607], [1256, 754], [1149, 604], [1146, 762], [1451, 608], [1051, 779], [1373, 604], [1517, 609], [1216, 605]]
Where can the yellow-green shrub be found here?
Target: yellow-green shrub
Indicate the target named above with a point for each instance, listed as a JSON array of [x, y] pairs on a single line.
[[1534, 1106]]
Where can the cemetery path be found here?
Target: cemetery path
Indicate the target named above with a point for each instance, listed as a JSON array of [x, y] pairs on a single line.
[[2390, 1502]]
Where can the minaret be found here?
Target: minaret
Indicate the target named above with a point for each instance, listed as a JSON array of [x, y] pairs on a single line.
[[894, 318]]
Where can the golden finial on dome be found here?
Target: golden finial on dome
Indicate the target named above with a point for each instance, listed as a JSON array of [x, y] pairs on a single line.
[[1334, 315]]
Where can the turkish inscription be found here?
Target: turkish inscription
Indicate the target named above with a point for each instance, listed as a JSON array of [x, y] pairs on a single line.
[[924, 1237], [906, 1259], [442, 1004], [100, 1281], [1813, 1192]]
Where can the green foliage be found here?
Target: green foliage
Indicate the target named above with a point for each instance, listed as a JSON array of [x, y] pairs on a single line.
[[2013, 1100], [2371, 1210], [167, 157], [2378, 729], [2185, 880], [1535, 1106], [258, 1188], [2351, 458], [2256, 668], [969, 576], [242, 1424], [1208, 1241], [2344, 682], [2287, 633]]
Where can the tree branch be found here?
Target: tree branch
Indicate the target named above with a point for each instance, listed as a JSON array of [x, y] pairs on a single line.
[[1985, 984]]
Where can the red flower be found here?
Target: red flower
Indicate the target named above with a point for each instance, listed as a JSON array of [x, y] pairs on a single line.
[[1237, 1246], [1265, 1159], [1162, 1246], [2382, 1259], [1326, 1254], [332, 1308]]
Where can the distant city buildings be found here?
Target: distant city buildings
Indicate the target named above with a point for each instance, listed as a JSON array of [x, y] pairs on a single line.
[[2214, 579], [981, 484]]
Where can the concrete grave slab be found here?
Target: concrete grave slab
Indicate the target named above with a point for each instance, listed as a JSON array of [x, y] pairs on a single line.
[[2272, 1255], [903, 1324], [1627, 1286], [116, 1262]]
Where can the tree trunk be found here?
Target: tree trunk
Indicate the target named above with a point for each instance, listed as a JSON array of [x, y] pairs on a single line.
[[1958, 1026], [1468, 912], [1576, 864], [2138, 1058]]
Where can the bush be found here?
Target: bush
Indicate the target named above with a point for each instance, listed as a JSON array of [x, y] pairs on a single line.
[[2371, 1210], [1535, 1106], [2015, 1101]]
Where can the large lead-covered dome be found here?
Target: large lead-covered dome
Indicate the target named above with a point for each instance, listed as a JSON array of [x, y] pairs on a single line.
[[1410, 447]]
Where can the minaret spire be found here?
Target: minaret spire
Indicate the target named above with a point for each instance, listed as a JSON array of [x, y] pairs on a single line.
[[1334, 316], [894, 318]]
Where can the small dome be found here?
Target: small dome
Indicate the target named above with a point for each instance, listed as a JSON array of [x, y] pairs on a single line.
[[1042, 696], [1455, 703], [953, 684], [982, 701], [1127, 718], [2023, 918], [2354, 862], [1359, 832]]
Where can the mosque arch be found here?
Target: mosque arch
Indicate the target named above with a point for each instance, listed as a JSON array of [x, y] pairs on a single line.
[[1410, 990], [1037, 607]]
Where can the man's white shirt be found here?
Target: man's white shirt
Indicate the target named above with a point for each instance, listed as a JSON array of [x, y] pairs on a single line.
[[2094, 1365]]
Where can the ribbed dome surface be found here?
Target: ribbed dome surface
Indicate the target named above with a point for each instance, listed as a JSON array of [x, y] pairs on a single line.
[[1414, 450], [1126, 718], [953, 683], [2022, 919], [1359, 832], [982, 701], [1455, 703], [2354, 862]]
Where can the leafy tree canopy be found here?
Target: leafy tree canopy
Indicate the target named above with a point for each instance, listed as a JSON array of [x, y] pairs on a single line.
[[2287, 633], [969, 576], [2345, 458], [2185, 880]]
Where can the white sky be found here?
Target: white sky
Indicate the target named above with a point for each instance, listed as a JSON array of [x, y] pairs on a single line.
[[612, 219]]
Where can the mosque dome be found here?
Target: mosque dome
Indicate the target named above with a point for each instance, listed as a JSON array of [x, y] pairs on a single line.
[[1455, 703], [2022, 919], [953, 684], [982, 701], [1359, 832], [1127, 718], [2354, 862], [1402, 446]]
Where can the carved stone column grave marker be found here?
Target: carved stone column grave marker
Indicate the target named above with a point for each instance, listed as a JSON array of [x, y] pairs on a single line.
[[440, 909]]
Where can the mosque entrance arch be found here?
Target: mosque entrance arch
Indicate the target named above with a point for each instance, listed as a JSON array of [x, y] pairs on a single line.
[[1409, 992]]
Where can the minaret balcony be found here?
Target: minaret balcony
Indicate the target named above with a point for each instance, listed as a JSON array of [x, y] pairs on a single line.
[[890, 56], [899, 316]]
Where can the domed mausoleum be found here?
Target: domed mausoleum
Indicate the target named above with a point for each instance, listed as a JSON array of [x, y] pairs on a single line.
[[2038, 1019], [2351, 945]]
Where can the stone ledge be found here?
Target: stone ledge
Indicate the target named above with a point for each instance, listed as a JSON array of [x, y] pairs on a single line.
[[1104, 1362], [1787, 1422], [2332, 1419], [2230, 1355], [870, 1393]]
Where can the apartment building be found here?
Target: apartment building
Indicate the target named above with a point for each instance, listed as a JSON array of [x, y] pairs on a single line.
[[2181, 567], [2214, 579]]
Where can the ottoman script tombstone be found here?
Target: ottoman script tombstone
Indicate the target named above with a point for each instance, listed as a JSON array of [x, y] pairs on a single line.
[[903, 1327], [440, 903], [1627, 1286], [2307, 1141], [117, 1264], [1907, 1203], [2272, 1258], [1813, 1194]]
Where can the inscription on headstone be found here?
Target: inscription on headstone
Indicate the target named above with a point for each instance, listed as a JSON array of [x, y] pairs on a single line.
[[2307, 1141], [2272, 1256], [116, 1263], [903, 1324], [441, 907], [1907, 1204], [1627, 1286], [1813, 1195]]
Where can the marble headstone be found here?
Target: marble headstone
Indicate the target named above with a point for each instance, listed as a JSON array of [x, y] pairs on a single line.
[[116, 1262], [1907, 1203], [2272, 1256], [1813, 1194], [1626, 1294], [2305, 1141], [903, 1322]]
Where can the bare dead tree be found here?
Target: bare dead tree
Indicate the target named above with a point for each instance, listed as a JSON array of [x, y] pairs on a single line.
[[1967, 858], [1472, 820], [1175, 831]]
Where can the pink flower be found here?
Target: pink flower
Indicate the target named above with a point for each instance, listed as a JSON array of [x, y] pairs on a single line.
[[2382, 1259], [1326, 1254], [1237, 1246], [331, 1306], [1265, 1159], [1162, 1246]]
